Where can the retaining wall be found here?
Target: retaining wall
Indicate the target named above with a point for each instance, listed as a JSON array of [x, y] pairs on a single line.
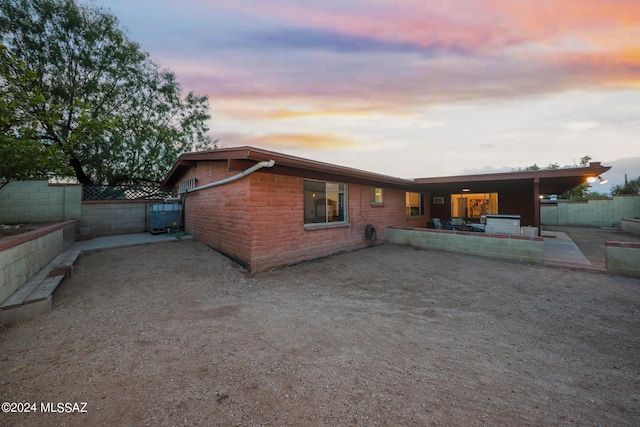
[[501, 246], [38, 201], [630, 226], [592, 213], [623, 258], [22, 256]]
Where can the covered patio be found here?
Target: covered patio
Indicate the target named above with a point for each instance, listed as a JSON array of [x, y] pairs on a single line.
[[517, 193]]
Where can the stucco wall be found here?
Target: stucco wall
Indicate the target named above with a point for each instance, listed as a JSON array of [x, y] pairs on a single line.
[[259, 219], [514, 248], [38, 201], [592, 213], [22, 256]]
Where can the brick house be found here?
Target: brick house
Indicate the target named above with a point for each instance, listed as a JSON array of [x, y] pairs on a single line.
[[266, 209]]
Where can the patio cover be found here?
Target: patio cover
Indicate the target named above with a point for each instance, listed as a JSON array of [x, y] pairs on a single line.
[[519, 192]]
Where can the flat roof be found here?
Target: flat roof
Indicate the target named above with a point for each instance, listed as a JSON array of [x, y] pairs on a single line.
[[550, 180]]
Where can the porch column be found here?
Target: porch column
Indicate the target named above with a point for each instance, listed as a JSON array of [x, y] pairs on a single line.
[[536, 203]]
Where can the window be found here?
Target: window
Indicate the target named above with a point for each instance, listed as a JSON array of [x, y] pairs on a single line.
[[376, 195], [324, 202], [473, 205], [414, 204]]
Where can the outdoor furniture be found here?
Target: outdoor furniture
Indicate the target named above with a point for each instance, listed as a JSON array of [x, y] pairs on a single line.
[[448, 225], [437, 224], [459, 224], [476, 227]]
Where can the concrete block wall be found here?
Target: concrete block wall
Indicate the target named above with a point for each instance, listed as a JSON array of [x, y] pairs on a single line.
[[623, 258], [105, 218], [592, 213], [38, 201], [22, 256], [630, 226], [500, 246]]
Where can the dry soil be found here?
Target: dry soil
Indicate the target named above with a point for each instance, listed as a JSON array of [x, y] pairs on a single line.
[[176, 334]]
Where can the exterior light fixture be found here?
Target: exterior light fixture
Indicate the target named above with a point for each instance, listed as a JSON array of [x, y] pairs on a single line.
[[603, 181], [466, 190], [591, 180]]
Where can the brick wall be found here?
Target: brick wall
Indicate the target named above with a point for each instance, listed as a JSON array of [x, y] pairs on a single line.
[[38, 201], [220, 216], [592, 213], [281, 237], [259, 219]]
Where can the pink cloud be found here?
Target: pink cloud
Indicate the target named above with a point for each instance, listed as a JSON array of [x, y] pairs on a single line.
[[514, 48]]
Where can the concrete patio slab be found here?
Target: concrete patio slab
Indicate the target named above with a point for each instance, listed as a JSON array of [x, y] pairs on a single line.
[[107, 242], [561, 251]]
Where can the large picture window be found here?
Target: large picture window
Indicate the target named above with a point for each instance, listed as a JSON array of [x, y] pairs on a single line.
[[324, 202], [414, 204], [473, 205]]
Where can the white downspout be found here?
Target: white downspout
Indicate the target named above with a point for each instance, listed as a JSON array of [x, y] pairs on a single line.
[[252, 169]]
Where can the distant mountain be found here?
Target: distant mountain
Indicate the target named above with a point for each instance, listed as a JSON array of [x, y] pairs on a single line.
[[615, 175]]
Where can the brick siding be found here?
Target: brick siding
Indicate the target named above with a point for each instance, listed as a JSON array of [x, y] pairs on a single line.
[[259, 219]]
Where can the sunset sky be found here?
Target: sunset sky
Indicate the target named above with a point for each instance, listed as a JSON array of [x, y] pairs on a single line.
[[409, 88]]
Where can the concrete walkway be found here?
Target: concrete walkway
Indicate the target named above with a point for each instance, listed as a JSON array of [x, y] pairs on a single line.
[[107, 242], [561, 251]]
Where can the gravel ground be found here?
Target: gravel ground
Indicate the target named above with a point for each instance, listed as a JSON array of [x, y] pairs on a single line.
[[176, 334]]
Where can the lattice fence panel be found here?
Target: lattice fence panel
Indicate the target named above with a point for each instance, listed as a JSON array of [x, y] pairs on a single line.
[[125, 192]]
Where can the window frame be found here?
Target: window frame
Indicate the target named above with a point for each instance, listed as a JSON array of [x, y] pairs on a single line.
[[373, 196], [409, 208], [343, 190]]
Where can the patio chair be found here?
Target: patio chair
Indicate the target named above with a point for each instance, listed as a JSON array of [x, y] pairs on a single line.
[[459, 224], [437, 224], [448, 225]]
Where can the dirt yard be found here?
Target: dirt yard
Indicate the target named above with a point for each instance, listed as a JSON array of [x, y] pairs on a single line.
[[176, 334]]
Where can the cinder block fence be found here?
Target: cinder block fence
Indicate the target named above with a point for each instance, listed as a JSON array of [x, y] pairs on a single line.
[[501, 246], [623, 258], [38, 201]]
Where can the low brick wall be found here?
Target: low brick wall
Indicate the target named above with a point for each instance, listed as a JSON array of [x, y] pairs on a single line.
[[108, 217], [501, 246], [623, 258], [22, 256], [630, 226]]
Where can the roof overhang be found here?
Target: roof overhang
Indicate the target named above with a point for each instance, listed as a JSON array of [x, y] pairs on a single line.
[[240, 158], [550, 181]]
